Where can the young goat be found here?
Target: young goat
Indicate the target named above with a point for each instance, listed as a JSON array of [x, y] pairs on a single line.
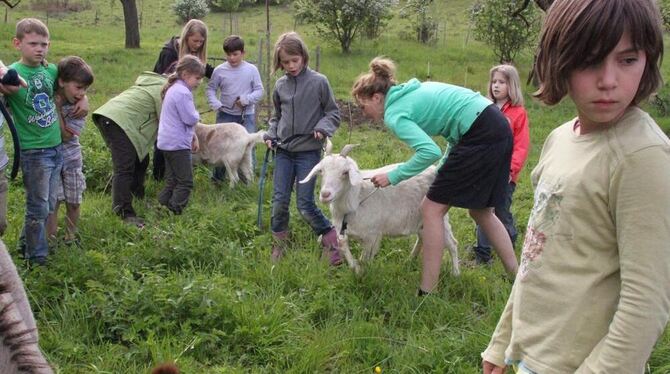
[[229, 145], [371, 213]]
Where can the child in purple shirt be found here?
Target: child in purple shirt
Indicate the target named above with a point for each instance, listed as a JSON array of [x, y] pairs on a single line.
[[176, 132]]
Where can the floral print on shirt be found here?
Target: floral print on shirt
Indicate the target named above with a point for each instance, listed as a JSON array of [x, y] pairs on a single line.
[[544, 215]]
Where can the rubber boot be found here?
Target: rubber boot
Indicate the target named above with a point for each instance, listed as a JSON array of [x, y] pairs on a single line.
[[279, 240], [331, 247]]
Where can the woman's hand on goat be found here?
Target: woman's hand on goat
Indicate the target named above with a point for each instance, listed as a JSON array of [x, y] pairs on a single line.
[[380, 180]]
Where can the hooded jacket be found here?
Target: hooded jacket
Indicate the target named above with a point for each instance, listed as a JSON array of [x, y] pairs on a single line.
[[302, 104], [415, 111], [136, 111]]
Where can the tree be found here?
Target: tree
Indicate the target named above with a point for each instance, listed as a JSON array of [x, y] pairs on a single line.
[[424, 25], [131, 23], [342, 20], [187, 10], [229, 6], [495, 24]]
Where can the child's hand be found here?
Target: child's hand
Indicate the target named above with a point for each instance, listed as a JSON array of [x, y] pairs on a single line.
[[80, 109], [380, 180], [269, 143], [195, 145], [490, 368], [318, 135]]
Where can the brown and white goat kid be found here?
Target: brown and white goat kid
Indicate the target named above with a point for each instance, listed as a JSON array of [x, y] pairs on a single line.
[[373, 213], [230, 145]]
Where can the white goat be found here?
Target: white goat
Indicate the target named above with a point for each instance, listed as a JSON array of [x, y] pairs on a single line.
[[372, 213], [229, 145]]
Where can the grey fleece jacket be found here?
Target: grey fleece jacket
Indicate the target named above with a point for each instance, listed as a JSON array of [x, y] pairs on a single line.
[[302, 105]]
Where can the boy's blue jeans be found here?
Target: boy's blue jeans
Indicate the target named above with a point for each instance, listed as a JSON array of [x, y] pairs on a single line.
[[249, 124], [504, 214], [41, 170], [290, 168]]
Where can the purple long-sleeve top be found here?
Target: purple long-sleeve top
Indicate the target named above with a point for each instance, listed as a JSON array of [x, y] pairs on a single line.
[[178, 118]]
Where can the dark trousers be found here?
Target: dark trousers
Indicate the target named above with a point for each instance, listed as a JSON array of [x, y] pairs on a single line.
[[504, 213], [128, 170], [178, 180], [158, 164]]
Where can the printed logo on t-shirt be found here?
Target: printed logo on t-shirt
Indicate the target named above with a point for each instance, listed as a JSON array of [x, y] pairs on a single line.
[[40, 87]]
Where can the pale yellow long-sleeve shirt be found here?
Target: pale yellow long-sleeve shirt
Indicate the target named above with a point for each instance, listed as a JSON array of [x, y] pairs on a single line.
[[593, 290]]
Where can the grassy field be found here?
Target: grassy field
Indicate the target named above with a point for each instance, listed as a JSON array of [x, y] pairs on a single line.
[[199, 288]]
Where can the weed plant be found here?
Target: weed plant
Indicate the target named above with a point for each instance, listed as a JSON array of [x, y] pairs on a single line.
[[200, 289]]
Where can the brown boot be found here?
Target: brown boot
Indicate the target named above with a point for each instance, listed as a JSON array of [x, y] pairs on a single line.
[[331, 247], [279, 245]]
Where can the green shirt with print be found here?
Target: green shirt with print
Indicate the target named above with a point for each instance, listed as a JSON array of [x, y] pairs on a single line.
[[34, 109]]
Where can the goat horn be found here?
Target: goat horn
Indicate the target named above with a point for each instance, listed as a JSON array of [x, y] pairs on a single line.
[[329, 146], [347, 148]]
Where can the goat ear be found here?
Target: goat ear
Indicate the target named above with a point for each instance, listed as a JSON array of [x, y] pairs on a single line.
[[354, 174], [317, 168], [329, 146]]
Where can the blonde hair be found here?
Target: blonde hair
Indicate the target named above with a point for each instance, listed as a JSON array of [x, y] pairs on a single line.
[[291, 44], [513, 83], [379, 79], [194, 26], [578, 34], [187, 64], [31, 25]]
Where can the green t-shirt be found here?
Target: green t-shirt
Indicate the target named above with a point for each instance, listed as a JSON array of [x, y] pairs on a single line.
[[33, 107]]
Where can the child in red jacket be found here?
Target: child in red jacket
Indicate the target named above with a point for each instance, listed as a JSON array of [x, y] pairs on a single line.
[[505, 91]]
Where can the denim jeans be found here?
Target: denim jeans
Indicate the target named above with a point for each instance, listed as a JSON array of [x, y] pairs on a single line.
[[291, 167], [504, 214], [249, 124], [41, 170]]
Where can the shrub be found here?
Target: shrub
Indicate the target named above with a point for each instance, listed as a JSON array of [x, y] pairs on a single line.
[[495, 25], [342, 20], [186, 10]]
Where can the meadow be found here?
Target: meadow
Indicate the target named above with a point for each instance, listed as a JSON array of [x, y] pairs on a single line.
[[200, 289]]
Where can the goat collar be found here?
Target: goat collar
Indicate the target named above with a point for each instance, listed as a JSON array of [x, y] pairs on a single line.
[[343, 228]]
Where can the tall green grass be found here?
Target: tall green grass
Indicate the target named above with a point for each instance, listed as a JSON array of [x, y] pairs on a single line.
[[199, 288]]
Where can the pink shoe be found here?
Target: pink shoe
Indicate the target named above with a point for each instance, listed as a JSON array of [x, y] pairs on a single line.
[[331, 248]]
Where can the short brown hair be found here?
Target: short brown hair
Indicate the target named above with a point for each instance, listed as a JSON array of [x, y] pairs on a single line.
[[580, 33], [31, 25], [75, 69], [291, 44], [233, 43]]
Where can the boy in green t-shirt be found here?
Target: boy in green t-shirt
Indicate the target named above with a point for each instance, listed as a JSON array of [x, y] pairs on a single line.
[[38, 128]]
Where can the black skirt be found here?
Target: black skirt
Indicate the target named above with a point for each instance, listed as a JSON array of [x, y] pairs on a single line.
[[475, 175]]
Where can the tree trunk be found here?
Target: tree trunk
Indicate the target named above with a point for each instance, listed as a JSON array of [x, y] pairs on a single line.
[[131, 22], [544, 4]]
